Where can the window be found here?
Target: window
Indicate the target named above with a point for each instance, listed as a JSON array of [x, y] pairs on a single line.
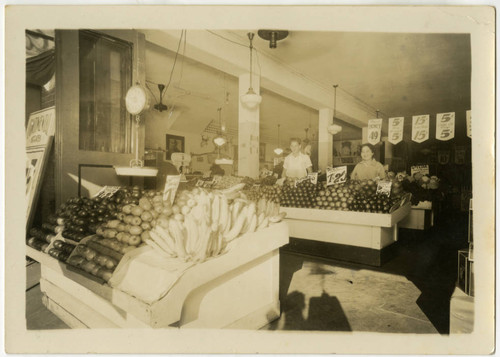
[[105, 76]]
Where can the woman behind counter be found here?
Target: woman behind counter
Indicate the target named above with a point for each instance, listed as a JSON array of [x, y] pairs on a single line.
[[297, 164], [368, 168]]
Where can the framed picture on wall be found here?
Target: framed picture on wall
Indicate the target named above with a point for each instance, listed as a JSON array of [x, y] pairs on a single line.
[[174, 144]]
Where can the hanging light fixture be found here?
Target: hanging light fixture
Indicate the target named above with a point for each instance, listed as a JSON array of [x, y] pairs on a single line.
[[251, 99], [334, 128], [278, 150], [219, 140]]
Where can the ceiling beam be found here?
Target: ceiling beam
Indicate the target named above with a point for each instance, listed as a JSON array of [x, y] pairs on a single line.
[[231, 58]]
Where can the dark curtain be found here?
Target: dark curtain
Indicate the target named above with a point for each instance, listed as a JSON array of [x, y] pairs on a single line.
[[41, 68]]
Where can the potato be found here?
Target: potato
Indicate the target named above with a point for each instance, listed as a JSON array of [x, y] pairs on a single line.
[[146, 226], [95, 270], [106, 275], [127, 209], [120, 216], [158, 208], [88, 266], [90, 254], [125, 238], [158, 199], [144, 236], [137, 210], [128, 219], [136, 221], [119, 236], [101, 260], [109, 233], [135, 230], [113, 224], [146, 216], [134, 240], [154, 214], [121, 227], [145, 204]]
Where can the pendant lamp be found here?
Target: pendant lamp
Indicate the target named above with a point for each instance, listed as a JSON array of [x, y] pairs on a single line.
[[334, 128], [219, 140], [278, 150], [251, 99]]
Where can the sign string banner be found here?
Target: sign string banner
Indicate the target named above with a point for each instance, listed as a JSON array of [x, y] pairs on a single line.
[[374, 130], [396, 126], [420, 128], [445, 126]]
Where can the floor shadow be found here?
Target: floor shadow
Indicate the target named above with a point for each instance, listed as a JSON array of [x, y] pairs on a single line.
[[324, 314], [289, 264]]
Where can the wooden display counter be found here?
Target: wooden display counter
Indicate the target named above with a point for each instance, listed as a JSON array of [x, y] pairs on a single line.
[[352, 236], [239, 289]]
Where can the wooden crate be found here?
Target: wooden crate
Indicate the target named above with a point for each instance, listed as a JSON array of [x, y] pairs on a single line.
[[237, 290]]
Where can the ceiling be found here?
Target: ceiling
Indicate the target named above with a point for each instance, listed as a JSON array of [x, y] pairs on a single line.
[[400, 74]]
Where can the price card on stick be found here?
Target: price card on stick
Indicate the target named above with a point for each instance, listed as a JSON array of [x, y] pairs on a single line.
[[313, 177], [445, 126], [469, 127], [336, 175], [384, 188], [171, 185], [420, 128], [396, 126], [107, 191], [423, 169], [374, 130]]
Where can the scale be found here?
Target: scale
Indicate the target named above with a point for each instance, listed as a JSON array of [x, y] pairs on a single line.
[[137, 102]]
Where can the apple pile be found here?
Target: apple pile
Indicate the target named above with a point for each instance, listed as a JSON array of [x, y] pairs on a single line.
[[335, 197], [303, 195]]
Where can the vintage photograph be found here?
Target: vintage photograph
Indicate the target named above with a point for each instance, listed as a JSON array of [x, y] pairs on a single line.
[[325, 193]]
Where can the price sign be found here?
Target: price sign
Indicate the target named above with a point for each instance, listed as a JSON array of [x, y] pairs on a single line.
[[302, 179], [107, 191], [445, 126], [336, 175], [384, 188], [420, 128], [423, 169], [396, 126], [374, 130], [313, 177], [469, 125], [171, 185]]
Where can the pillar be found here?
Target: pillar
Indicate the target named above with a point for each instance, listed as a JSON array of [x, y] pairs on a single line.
[[325, 139], [248, 130]]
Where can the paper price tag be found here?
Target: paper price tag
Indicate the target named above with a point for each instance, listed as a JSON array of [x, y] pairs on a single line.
[[171, 185], [336, 175], [313, 177], [423, 169], [384, 188]]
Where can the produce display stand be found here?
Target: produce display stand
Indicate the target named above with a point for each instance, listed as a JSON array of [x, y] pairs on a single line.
[[421, 217], [357, 237], [239, 289]]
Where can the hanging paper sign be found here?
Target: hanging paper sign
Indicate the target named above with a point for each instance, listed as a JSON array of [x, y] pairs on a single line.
[[420, 128], [374, 130], [422, 169], [445, 126], [384, 188], [469, 127], [41, 126], [443, 157], [460, 155], [336, 175], [396, 126]]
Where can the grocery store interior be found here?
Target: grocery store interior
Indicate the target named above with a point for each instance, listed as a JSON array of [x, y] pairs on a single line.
[[145, 131]]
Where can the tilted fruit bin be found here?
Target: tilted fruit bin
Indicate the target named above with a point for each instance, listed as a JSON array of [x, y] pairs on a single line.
[[358, 237]]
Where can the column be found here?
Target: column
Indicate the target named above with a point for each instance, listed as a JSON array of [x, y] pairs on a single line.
[[325, 139], [248, 130]]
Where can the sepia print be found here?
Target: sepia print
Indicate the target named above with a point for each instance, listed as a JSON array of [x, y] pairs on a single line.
[[323, 201]]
